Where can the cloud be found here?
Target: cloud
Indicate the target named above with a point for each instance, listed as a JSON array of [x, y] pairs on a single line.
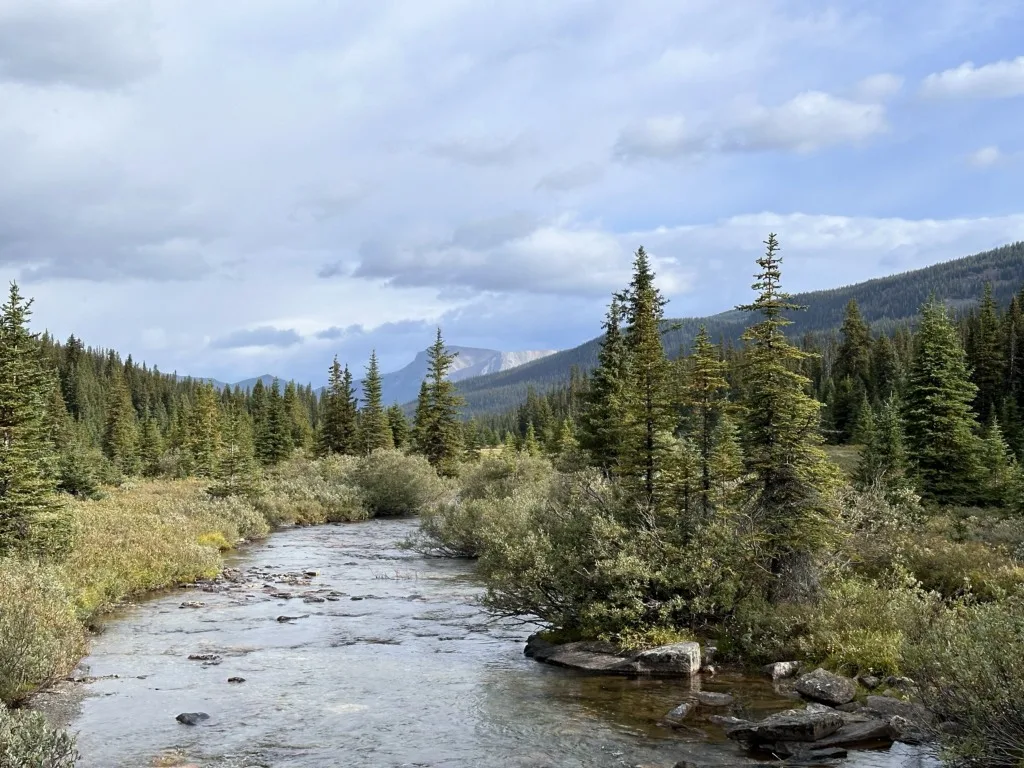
[[808, 122], [878, 88], [483, 152], [95, 45], [574, 177], [986, 157], [998, 80], [264, 336]]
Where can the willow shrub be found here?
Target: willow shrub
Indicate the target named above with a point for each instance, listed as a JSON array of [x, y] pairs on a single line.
[[969, 667], [26, 741], [393, 483], [41, 638], [312, 492]]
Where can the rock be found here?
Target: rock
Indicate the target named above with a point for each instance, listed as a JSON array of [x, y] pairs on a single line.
[[781, 669], [192, 604], [791, 725], [709, 671], [872, 732], [236, 679], [708, 657], [192, 718], [204, 657], [816, 756], [900, 683], [311, 574], [711, 699], [886, 707], [726, 721], [314, 599], [680, 713], [284, 619], [356, 598], [869, 681], [826, 687], [907, 732], [676, 660]]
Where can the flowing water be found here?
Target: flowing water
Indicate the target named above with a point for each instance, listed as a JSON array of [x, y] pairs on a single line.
[[412, 674]]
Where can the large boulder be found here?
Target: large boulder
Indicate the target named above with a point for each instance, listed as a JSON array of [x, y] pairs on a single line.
[[676, 660], [781, 669], [887, 707], [791, 725], [826, 687]]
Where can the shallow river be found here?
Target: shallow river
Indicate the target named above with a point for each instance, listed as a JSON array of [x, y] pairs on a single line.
[[412, 674]]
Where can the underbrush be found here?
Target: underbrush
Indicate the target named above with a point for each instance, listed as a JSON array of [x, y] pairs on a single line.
[[26, 741], [305, 492]]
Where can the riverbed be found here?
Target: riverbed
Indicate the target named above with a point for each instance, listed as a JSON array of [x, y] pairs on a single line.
[[382, 658]]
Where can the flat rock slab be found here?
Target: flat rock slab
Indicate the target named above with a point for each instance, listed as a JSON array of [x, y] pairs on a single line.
[[873, 732], [676, 660], [712, 699], [791, 725]]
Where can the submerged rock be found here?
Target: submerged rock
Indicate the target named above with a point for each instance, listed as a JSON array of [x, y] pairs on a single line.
[[675, 660], [781, 669], [711, 699], [192, 718], [826, 687], [204, 657], [236, 679], [680, 713], [192, 604]]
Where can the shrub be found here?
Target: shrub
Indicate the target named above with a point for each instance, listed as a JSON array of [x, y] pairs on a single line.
[[26, 741], [502, 475], [307, 492], [969, 667], [395, 483], [462, 527], [41, 639]]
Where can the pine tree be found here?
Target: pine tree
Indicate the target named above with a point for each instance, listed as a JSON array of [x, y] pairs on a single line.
[[437, 428], [601, 421], [648, 414], [121, 434], [237, 471], [150, 448], [789, 475], [338, 423], [374, 429], [298, 418], [938, 417], [202, 436], [31, 517], [704, 391], [399, 425], [999, 467], [275, 443], [883, 460], [530, 444], [987, 358], [509, 447]]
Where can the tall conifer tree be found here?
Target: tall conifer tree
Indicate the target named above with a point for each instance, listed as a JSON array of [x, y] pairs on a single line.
[[374, 429], [437, 429]]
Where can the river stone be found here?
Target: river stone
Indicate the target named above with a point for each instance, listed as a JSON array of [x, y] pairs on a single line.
[[781, 669], [676, 660], [204, 657], [869, 681], [711, 699], [885, 706], [826, 687], [872, 732], [192, 604], [681, 712], [192, 718], [236, 679], [791, 725]]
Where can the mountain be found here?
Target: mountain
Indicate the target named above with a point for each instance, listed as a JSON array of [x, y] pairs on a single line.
[[403, 385], [884, 302]]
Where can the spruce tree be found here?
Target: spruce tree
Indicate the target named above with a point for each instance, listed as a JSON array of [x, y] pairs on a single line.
[[789, 475], [987, 359], [419, 421], [703, 395], [121, 434], [999, 478], [437, 428], [939, 421], [885, 369], [883, 459], [374, 429], [602, 417], [202, 436], [726, 459], [298, 418], [530, 444], [275, 443], [237, 471], [399, 425], [338, 407], [150, 448], [32, 519], [648, 415]]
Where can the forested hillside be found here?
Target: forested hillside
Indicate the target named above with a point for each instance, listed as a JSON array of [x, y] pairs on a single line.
[[884, 303]]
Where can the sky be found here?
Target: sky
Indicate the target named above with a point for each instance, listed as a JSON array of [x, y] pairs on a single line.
[[228, 188]]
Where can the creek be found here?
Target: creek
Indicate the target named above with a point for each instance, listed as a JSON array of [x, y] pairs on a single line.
[[386, 660]]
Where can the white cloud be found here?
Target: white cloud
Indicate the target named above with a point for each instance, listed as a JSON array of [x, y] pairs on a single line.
[[986, 157], [808, 122], [998, 80], [878, 87]]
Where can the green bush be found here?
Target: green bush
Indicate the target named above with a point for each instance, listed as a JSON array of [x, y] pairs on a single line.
[[969, 668], [312, 492], [41, 638], [26, 741], [394, 483], [502, 475]]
